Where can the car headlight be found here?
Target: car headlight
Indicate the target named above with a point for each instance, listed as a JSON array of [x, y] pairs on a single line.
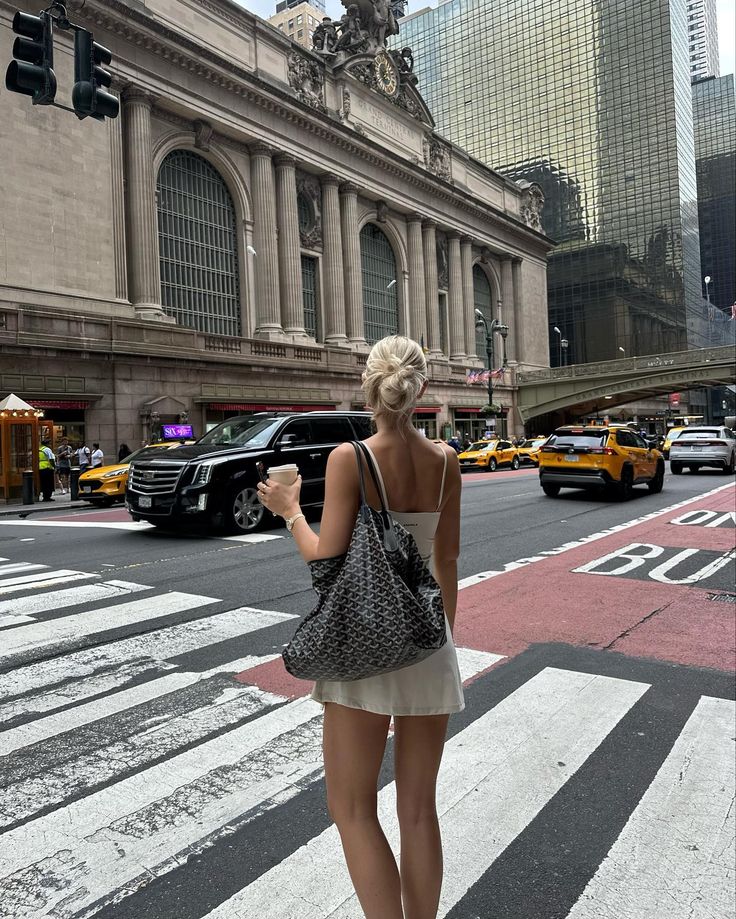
[[203, 474], [115, 473]]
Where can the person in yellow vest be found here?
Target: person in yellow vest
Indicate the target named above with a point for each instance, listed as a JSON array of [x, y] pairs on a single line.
[[46, 466]]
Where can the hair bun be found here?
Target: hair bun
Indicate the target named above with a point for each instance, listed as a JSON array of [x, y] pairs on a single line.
[[395, 372]]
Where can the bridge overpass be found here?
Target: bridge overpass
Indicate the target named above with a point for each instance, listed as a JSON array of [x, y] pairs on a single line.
[[586, 389]]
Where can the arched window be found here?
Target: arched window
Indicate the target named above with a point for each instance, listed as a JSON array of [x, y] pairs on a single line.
[[380, 303], [197, 235], [482, 301]]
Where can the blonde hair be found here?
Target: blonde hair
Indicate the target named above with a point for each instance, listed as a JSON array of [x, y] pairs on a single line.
[[395, 372]]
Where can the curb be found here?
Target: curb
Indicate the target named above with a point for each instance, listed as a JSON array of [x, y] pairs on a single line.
[[39, 507]]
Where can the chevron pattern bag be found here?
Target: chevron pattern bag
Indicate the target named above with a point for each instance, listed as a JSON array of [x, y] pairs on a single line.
[[379, 608]]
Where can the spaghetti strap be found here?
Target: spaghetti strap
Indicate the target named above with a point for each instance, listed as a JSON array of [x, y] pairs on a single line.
[[381, 483], [444, 473]]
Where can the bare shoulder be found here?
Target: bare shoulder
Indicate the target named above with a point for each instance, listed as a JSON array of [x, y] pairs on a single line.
[[342, 459]]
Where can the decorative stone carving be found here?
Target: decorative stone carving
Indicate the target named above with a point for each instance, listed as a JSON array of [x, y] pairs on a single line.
[[309, 198], [532, 204], [307, 79], [437, 158], [381, 212], [202, 135], [443, 264], [344, 111], [324, 37]]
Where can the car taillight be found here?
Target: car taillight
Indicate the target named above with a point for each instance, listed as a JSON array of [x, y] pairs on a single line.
[[606, 451]]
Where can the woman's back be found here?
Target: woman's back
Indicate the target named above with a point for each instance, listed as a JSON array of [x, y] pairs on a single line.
[[413, 470]]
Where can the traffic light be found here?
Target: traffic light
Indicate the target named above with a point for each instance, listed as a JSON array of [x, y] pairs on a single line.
[[87, 97], [32, 73]]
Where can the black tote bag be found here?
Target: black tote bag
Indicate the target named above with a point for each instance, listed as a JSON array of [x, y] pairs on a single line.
[[379, 608]]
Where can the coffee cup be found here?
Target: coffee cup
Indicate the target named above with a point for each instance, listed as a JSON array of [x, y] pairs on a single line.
[[285, 475]]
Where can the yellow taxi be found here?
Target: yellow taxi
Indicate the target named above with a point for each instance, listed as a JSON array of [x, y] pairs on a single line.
[[672, 434], [106, 484], [599, 456], [489, 455], [529, 450]]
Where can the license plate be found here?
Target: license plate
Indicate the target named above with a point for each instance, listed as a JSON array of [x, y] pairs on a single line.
[[145, 501], [86, 488], [571, 458]]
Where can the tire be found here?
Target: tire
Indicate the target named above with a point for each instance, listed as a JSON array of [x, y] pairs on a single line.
[[550, 490], [676, 468], [657, 483], [515, 463], [492, 464], [692, 468], [731, 467], [625, 488], [242, 511]]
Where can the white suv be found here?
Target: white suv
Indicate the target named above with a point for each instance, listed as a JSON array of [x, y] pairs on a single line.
[[704, 446]]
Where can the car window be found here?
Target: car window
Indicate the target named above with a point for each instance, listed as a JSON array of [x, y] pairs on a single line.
[[363, 426], [593, 439], [504, 445], [626, 439], [699, 434], [242, 430], [640, 442], [331, 430], [296, 433], [480, 445], [673, 434]]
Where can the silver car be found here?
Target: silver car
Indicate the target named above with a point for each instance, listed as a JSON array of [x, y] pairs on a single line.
[[704, 446]]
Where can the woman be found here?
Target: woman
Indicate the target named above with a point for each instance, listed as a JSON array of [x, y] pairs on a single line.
[[421, 481], [124, 452]]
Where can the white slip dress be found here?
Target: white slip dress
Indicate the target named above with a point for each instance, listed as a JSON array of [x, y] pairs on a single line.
[[431, 687]]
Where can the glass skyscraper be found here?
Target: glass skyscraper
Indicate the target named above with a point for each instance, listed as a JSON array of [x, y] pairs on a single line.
[[592, 99]]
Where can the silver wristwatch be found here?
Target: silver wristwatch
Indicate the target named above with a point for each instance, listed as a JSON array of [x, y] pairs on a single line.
[[290, 521]]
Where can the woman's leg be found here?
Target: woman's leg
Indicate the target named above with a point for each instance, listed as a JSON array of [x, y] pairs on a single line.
[[354, 743], [418, 744]]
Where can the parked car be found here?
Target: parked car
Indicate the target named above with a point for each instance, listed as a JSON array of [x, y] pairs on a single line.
[[106, 484], [672, 434], [489, 455], [213, 482], [529, 449], [704, 446], [600, 456]]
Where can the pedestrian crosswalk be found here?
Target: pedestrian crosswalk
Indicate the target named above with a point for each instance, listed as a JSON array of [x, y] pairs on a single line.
[[124, 764]]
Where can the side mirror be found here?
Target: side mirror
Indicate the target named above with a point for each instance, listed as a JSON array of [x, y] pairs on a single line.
[[287, 440]]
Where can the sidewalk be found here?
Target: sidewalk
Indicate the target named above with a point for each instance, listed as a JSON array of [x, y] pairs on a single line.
[[60, 503]]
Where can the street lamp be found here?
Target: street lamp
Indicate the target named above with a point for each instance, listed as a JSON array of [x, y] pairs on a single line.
[[563, 344], [623, 350], [491, 328], [559, 345]]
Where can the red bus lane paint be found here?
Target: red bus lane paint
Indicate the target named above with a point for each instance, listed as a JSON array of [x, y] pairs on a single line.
[[646, 589]]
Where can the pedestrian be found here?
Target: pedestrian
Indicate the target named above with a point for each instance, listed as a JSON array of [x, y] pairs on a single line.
[[124, 452], [454, 443], [421, 485], [84, 457], [64, 464], [98, 457], [46, 466]]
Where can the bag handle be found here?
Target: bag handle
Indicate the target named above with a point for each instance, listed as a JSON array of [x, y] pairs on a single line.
[[389, 535]]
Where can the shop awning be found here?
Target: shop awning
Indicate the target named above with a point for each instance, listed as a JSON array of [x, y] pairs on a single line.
[[59, 403], [427, 409], [264, 407]]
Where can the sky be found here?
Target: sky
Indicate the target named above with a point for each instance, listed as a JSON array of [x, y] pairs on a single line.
[[726, 22]]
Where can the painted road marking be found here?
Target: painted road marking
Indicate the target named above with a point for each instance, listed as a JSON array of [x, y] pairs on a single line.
[[55, 635], [7, 621], [497, 774], [700, 518], [131, 526], [47, 685], [631, 561], [578, 543], [675, 857], [17, 567], [73, 596], [39, 581], [73, 718], [472, 663]]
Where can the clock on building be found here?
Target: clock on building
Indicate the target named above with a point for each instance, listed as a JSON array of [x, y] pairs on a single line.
[[386, 74]]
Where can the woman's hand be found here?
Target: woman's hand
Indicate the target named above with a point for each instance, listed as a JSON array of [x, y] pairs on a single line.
[[282, 500]]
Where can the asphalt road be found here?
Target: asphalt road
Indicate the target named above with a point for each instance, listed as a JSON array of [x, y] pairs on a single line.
[[156, 761]]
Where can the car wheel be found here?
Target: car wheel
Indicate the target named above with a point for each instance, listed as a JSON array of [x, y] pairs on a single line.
[[492, 464], [550, 490], [676, 468], [515, 463], [692, 468], [657, 483], [625, 488], [244, 513], [731, 467]]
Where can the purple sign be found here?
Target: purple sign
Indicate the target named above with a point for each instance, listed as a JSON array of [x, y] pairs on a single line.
[[177, 431]]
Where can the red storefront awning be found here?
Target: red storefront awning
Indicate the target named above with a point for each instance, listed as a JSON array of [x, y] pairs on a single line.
[[263, 407], [58, 403], [427, 409]]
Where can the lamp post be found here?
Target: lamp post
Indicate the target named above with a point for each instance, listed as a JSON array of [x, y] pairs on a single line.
[[563, 344], [559, 345], [491, 328], [707, 280]]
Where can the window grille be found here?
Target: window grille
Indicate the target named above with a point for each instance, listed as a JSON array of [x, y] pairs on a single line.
[[309, 295], [380, 303], [197, 234], [482, 301]]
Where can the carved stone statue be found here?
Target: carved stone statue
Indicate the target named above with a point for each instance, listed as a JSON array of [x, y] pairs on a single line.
[[353, 37], [324, 37], [307, 80], [404, 60], [532, 204], [383, 22]]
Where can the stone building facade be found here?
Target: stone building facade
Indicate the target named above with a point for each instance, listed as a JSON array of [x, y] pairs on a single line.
[[233, 242]]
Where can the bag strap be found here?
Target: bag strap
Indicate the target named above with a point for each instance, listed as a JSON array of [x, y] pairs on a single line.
[[389, 534]]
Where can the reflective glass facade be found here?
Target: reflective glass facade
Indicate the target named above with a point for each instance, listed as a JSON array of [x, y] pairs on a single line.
[[590, 98], [714, 114]]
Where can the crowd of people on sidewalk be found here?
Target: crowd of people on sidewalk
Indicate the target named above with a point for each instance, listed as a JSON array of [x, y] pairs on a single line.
[[55, 467]]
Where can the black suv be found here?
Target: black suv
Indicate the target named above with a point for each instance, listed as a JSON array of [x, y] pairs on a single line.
[[213, 483]]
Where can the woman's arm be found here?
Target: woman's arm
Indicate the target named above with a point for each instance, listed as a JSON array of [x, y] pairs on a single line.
[[338, 515], [447, 539]]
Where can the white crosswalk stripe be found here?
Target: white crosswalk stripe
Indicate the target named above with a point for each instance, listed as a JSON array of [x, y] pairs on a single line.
[[41, 580], [120, 766]]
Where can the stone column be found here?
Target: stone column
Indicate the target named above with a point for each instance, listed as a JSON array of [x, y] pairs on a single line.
[[455, 299], [518, 345], [466, 256], [117, 176], [507, 302], [144, 278], [351, 264], [333, 283], [265, 262], [417, 292], [429, 245], [289, 248]]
